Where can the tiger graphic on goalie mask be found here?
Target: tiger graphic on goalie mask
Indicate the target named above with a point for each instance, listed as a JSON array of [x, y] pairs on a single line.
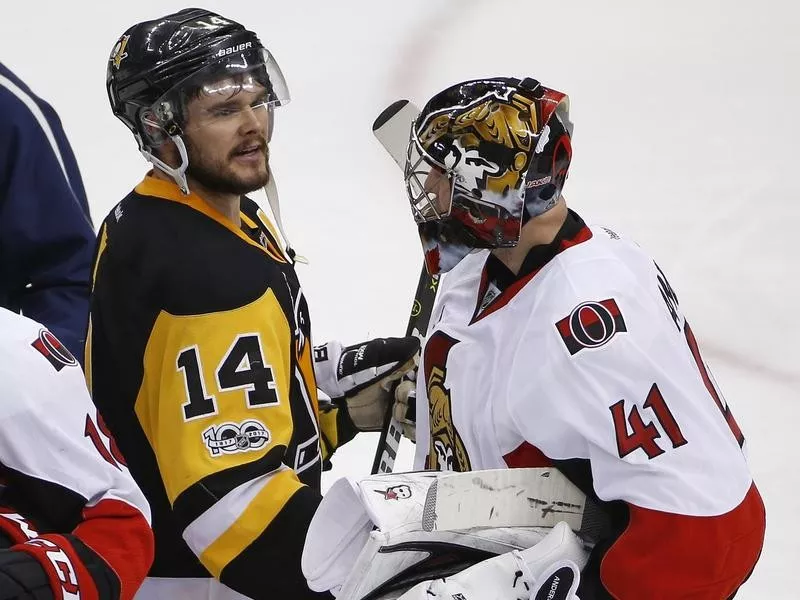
[[501, 120]]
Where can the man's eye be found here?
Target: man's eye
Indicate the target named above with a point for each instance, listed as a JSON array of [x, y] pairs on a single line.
[[223, 111]]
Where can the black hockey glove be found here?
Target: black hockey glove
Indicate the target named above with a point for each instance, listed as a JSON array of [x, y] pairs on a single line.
[[49, 566], [52, 567], [363, 375], [22, 577]]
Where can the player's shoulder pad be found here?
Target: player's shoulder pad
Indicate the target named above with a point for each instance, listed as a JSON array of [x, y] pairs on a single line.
[[138, 221], [155, 237], [589, 295]]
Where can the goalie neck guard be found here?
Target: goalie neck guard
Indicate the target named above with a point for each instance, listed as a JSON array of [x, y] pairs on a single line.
[[485, 156]]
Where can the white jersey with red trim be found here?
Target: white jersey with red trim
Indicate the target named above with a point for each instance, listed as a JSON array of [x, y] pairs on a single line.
[[65, 488], [586, 362]]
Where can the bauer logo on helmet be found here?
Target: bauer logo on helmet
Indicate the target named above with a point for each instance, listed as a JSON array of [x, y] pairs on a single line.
[[234, 49]]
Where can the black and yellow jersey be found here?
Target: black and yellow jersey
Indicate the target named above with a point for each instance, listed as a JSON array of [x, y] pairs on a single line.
[[199, 359]]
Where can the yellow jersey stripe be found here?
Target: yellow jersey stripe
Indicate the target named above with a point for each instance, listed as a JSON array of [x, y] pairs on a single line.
[[87, 356], [181, 444], [100, 249], [251, 523]]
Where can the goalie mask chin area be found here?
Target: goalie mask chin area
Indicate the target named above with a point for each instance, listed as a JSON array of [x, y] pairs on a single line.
[[453, 215]]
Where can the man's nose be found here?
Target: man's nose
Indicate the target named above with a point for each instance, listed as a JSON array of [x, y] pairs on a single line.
[[253, 120]]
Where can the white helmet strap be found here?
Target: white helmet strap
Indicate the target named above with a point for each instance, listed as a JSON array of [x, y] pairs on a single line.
[[177, 173]]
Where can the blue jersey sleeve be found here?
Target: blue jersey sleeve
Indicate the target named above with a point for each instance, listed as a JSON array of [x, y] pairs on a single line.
[[46, 235]]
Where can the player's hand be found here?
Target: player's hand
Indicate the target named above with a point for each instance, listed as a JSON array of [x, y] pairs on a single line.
[[364, 374], [405, 404]]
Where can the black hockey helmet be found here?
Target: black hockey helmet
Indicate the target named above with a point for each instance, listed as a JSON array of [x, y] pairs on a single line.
[[154, 60], [485, 156]]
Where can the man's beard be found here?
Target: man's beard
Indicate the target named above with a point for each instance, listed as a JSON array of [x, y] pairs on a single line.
[[222, 179]]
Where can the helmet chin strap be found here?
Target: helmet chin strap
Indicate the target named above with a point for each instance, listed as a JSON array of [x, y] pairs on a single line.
[[177, 173], [271, 191]]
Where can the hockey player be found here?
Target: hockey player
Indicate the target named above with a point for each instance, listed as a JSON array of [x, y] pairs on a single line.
[[46, 236], [73, 524], [558, 344], [199, 353]]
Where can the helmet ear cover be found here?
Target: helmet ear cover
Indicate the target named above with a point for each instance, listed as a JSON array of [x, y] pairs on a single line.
[[152, 132]]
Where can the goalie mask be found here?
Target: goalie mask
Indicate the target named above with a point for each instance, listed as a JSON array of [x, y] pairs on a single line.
[[485, 156]]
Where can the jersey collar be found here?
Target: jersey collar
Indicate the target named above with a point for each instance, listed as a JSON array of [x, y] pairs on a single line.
[[499, 285], [256, 223]]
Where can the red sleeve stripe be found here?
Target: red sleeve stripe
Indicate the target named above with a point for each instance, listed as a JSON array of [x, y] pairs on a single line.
[[121, 535]]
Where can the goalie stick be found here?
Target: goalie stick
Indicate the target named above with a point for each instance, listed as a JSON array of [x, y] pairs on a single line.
[[392, 431], [391, 129]]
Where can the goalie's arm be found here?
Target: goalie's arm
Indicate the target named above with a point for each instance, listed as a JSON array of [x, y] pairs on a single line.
[[643, 435]]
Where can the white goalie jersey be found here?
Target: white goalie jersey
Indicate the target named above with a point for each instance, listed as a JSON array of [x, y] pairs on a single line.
[[585, 362]]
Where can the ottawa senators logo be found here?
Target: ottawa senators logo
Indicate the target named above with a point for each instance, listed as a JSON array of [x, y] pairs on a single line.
[[447, 451], [53, 350], [591, 325], [499, 117]]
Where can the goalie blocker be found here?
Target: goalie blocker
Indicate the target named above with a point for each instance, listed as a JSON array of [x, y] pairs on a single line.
[[382, 535]]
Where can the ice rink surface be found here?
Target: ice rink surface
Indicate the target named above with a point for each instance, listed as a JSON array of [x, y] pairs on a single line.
[[687, 139]]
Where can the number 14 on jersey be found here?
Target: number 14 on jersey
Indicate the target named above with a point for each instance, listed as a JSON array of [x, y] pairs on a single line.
[[242, 368]]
